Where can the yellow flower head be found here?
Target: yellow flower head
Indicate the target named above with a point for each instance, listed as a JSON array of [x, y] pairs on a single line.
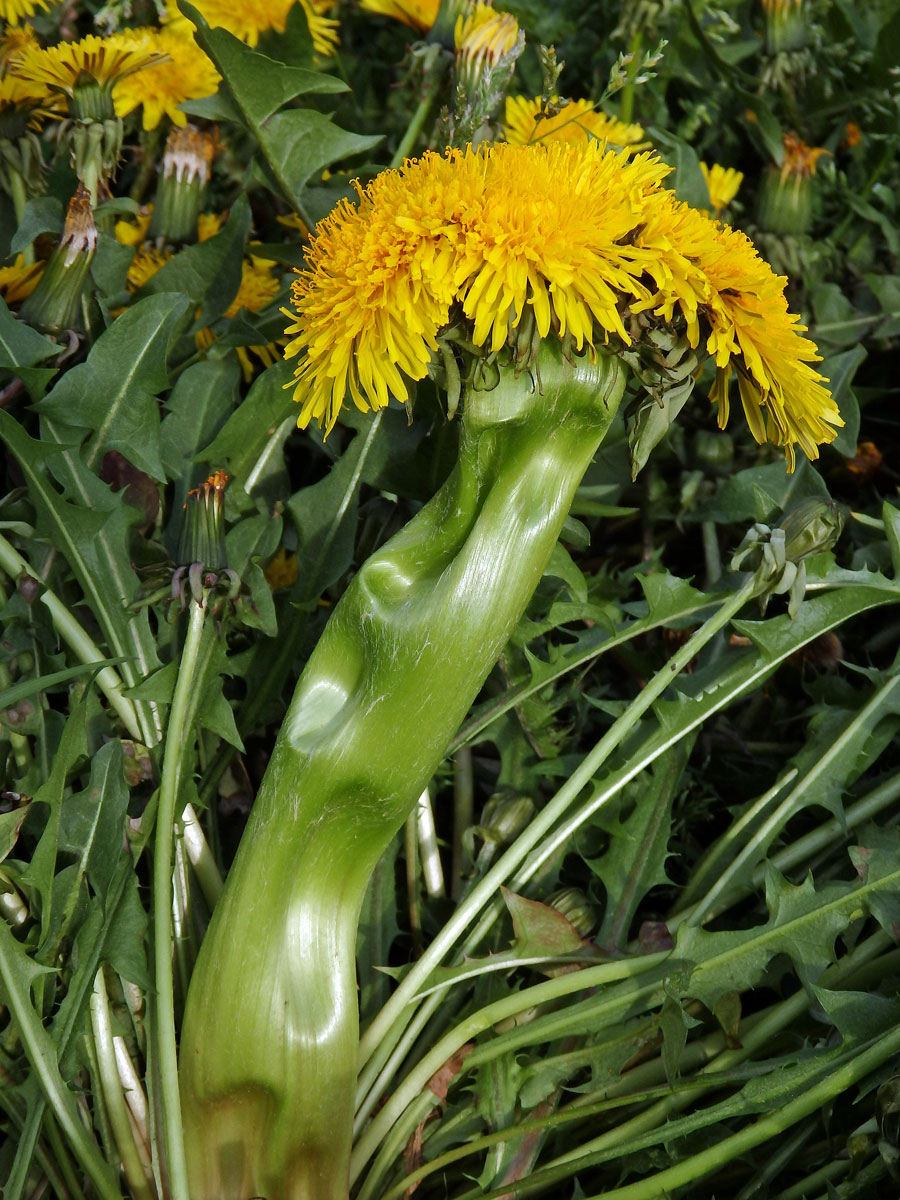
[[583, 240], [722, 184], [799, 160], [577, 121], [323, 30], [144, 266], [134, 232], [13, 11], [727, 292], [418, 14], [18, 281], [105, 61], [248, 19], [30, 100], [13, 42], [209, 224], [482, 37], [183, 72]]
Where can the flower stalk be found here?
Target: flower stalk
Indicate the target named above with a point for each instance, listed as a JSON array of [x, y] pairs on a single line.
[[164, 1004], [269, 1045]]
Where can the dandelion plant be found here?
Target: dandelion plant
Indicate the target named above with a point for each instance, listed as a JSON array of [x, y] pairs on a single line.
[[443, 753], [534, 274]]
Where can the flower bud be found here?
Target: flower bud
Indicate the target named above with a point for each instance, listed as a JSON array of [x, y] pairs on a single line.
[[203, 533], [182, 184], [714, 450], [785, 201], [63, 294], [811, 526], [505, 816], [576, 908], [786, 26]]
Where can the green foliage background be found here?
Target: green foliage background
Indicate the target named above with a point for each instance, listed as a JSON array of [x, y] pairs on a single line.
[[689, 985]]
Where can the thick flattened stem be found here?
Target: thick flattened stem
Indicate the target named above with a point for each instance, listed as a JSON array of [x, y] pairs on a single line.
[[268, 1055]]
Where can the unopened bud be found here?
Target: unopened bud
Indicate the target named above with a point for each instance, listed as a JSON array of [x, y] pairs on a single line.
[[63, 293], [576, 908], [811, 526], [505, 816], [203, 533], [182, 184], [785, 202]]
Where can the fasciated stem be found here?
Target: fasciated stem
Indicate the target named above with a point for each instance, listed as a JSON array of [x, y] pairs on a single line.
[[270, 1037]]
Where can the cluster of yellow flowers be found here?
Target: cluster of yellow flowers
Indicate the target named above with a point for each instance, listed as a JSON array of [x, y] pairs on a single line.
[[568, 220], [584, 238], [158, 69]]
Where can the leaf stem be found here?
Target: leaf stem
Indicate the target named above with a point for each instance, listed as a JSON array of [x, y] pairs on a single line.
[[483, 1019], [164, 1007], [485, 890], [120, 1122], [773, 1123], [431, 82], [72, 633], [20, 199], [42, 1055]]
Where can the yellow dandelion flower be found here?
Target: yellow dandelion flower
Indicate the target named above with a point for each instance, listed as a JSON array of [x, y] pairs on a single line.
[[30, 100], [208, 225], [144, 266], [260, 284], [63, 67], [283, 570], [714, 274], [581, 238], [418, 14], [248, 19], [323, 29], [380, 285], [184, 73], [483, 36], [134, 232], [722, 183], [13, 42], [19, 280], [12, 12], [577, 121]]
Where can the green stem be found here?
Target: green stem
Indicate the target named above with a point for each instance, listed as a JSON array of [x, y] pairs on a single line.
[[82, 646], [16, 975], [490, 1015], [463, 813], [841, 1079], [20, 199], [271, 1026], [432, 77], [164, 1006], [626, 108], [101, 1027]]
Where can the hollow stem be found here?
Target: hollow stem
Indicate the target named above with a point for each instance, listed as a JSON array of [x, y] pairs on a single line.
[[120, 1122], [164, 1005], [270, 1036]]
